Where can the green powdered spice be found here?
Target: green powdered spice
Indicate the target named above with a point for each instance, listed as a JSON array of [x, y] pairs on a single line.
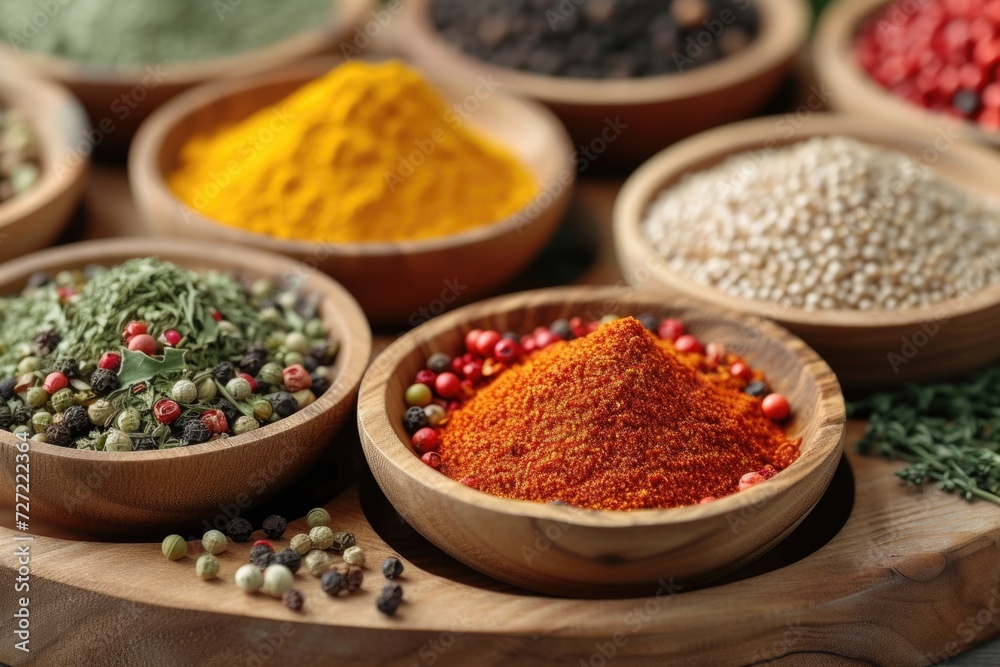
[[949, 433], [126, 33]]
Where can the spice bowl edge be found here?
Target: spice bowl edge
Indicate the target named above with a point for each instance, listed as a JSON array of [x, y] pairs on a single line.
[[600, 553], [128, 493]]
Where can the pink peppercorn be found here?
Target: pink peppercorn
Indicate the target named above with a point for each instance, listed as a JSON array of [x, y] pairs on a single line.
[[252, 381], [296, 378], [528, 344], [143, 343], [545, 338], [741, 370], [433, 459], [471, 338], [506, 350], [166, 411], [688, 344], [425, 377], [55, 381], [263, 543], [215, 421], [486, 341], [670, 330], [776, 407], [750, 479], [447, 385], [110, 361], [172, 337], [425, 440]]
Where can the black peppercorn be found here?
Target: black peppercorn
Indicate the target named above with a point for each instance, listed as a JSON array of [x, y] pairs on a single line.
[[392, 568], [264, 560], [333, 583], [561, 329], [513, 335], [6, 417], [259, 550], [229, 410], [388, 601], [45, 342], [355, 577], [39, 279], [310, 363], [274, 526], [293, 599], [223, 372], [103, 381], [76, 420], [58, 435], [142, 443], [440, 362], [319, 384], [252, 363], [290, 558], [284, 404], [757, 389], [650, 321], [70, 368], [967, 101], [342, 540], [307, 306], [414, 419], [7, 388], [239, 530], [22, 414], [195, 432]]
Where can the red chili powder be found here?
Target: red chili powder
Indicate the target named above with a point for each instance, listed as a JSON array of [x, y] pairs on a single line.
[[611, 421]]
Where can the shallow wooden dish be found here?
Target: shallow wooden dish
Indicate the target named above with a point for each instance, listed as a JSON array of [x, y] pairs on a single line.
[[642, 114], [401, 282], [35, 219], [132, 493], [858, 344], [101, 89], [847, 87], [584, 553]]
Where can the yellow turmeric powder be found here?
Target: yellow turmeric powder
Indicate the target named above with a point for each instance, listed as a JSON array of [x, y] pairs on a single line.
[[368, 152]]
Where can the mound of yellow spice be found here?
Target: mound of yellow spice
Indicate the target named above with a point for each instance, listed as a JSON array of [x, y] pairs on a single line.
[[368, 152], [616, 420]]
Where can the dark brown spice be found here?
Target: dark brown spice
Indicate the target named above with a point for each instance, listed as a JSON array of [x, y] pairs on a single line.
[[274, 526], [388, 601], [293, 599]]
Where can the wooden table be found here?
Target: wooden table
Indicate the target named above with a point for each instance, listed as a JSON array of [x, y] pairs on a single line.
[[877, 574]]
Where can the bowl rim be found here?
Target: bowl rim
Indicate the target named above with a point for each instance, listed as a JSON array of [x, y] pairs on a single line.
[[63, 165], [144, 158], [341, 15], [373, 416], [356, 351], [785, 26], [712, 147], [832, 52]]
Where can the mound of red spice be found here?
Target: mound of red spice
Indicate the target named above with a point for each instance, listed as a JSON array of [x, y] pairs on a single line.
[[615, 420]]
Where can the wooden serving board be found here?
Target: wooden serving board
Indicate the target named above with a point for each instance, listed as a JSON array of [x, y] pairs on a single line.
[[877, 574]]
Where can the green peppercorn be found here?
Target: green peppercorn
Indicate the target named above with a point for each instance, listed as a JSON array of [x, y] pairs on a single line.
[[261, 288], [434, 413], [207, 566], [318, 517], [227, 327], [174, 547], [271, 315], [116, 441], [36, 397], [293, 358], [297, 342], [185, 392], [29, 365], [304, 398], [271, 374], [239, 388], [214, 542], [314, 329], [418, 395], [101, 412], [128, 421], [262, 410], [21, 430], [62, 399], [245, 424], [207, 390], [40, 421]]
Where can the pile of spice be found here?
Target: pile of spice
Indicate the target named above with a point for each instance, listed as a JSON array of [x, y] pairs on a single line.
[[938, 54], [121, 33], [827, 223], [148, 355], [369, 152], [598, 39], [631, 414], [20, 161], [274, 572], [948, 432]]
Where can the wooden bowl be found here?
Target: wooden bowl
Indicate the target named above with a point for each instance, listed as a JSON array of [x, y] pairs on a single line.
[[102, 89], [35, 219], [401, 282], [132, 493], [583, 553], [867, 349], [642, 114], [847, 87]]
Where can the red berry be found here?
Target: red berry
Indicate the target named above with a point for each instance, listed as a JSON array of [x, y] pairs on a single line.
[[215, 421], [172, 337], [253, 381], [433, 459], [425, 440], [528, 344], [545, 338], [425, 377], [134, 328], [448, 385], [776, 407], [452, 406], [688, 344], [486, 341], [65, 293], [457, 364], [670, 329], [110, 361], [473, 371], [750, 479], [506, 350], [577, 327], [56, 381], [143, 343], [741, 370], [217, 316], [166, 411], [471, 338], [715, 353], [296, 378]]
